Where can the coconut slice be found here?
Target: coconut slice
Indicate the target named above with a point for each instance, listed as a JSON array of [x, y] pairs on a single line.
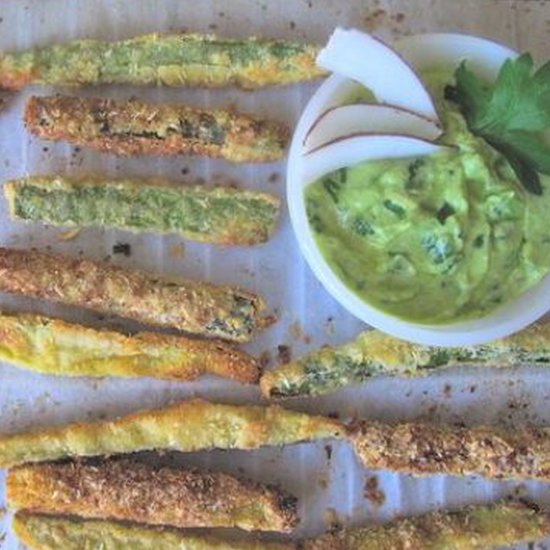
[[353, 149], [362, 57], [345, 120]]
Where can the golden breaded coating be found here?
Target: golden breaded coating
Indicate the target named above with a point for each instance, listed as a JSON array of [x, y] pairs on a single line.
[[39, 532], [373, 353], [133, 128], [54, 347], [471, 528], [163, 59], [425, 449], [131, 491], [220, 215], [191, 306], [187, 426]]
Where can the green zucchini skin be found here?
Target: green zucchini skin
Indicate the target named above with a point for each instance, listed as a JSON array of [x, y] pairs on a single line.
[[136, 128], [41, 532], [376, 354], [191, 306], [469, 528], [221, 215], [163, 60]]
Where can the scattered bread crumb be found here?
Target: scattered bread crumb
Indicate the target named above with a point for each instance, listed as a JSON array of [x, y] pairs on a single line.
[[284, 354], [331, 519], [69, 235], [176, 251], [373, 493]]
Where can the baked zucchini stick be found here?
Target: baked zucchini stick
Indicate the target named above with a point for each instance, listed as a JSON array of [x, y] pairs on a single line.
[[51, 346], [131, 491], [163, 59], [220, 215], [424, 449], [133, 128], [38, 532], [187, 426], [192, 306], [374, 353], [471, 528]]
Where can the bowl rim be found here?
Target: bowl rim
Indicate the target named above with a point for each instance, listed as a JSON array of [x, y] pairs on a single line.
[[512, 316]]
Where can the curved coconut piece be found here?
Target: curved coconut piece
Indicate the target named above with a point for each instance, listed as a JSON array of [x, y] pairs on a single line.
[[362, 57], [345, 120], [353, 149], [485, 57]]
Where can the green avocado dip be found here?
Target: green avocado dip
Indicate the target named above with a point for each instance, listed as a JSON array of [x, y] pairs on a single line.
[[434, 239]]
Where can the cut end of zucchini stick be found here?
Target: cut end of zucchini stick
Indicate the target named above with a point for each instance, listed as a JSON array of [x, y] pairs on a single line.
[[55, 347], [221, 215], [134, 128]]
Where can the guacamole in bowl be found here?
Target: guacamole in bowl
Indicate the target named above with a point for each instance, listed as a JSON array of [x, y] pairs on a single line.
[[445, 249], [434, 239]]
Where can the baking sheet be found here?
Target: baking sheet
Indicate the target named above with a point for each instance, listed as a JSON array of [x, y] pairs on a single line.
[[329, 482]]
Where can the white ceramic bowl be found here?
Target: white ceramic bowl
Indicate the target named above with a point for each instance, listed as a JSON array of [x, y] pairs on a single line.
[[421, 51]]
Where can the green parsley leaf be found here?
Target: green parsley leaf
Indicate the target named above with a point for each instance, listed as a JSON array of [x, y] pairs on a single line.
[[524, 171], [512, 114]]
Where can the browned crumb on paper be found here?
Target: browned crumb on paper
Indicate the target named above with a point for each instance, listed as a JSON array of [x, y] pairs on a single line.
[[372, 491], [69, 235], [375, 19], [176, 251], [323, 480], [122, 248], [297, 333], [284, 354], [331, 519], [274, 177]]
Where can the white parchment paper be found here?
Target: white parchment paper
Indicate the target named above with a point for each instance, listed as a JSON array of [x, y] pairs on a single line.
[[329, 484]]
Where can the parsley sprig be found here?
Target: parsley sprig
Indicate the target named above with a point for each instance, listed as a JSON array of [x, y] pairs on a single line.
[[512, 115]]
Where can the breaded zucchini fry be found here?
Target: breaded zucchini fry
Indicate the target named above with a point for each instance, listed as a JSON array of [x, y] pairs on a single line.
[[39, 532], [131, 491], [163, 59], [54, 347], [374, 353], [191, 306], [191, 425], [133, 128], [471, 528], [222, 215], [425, 449]]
